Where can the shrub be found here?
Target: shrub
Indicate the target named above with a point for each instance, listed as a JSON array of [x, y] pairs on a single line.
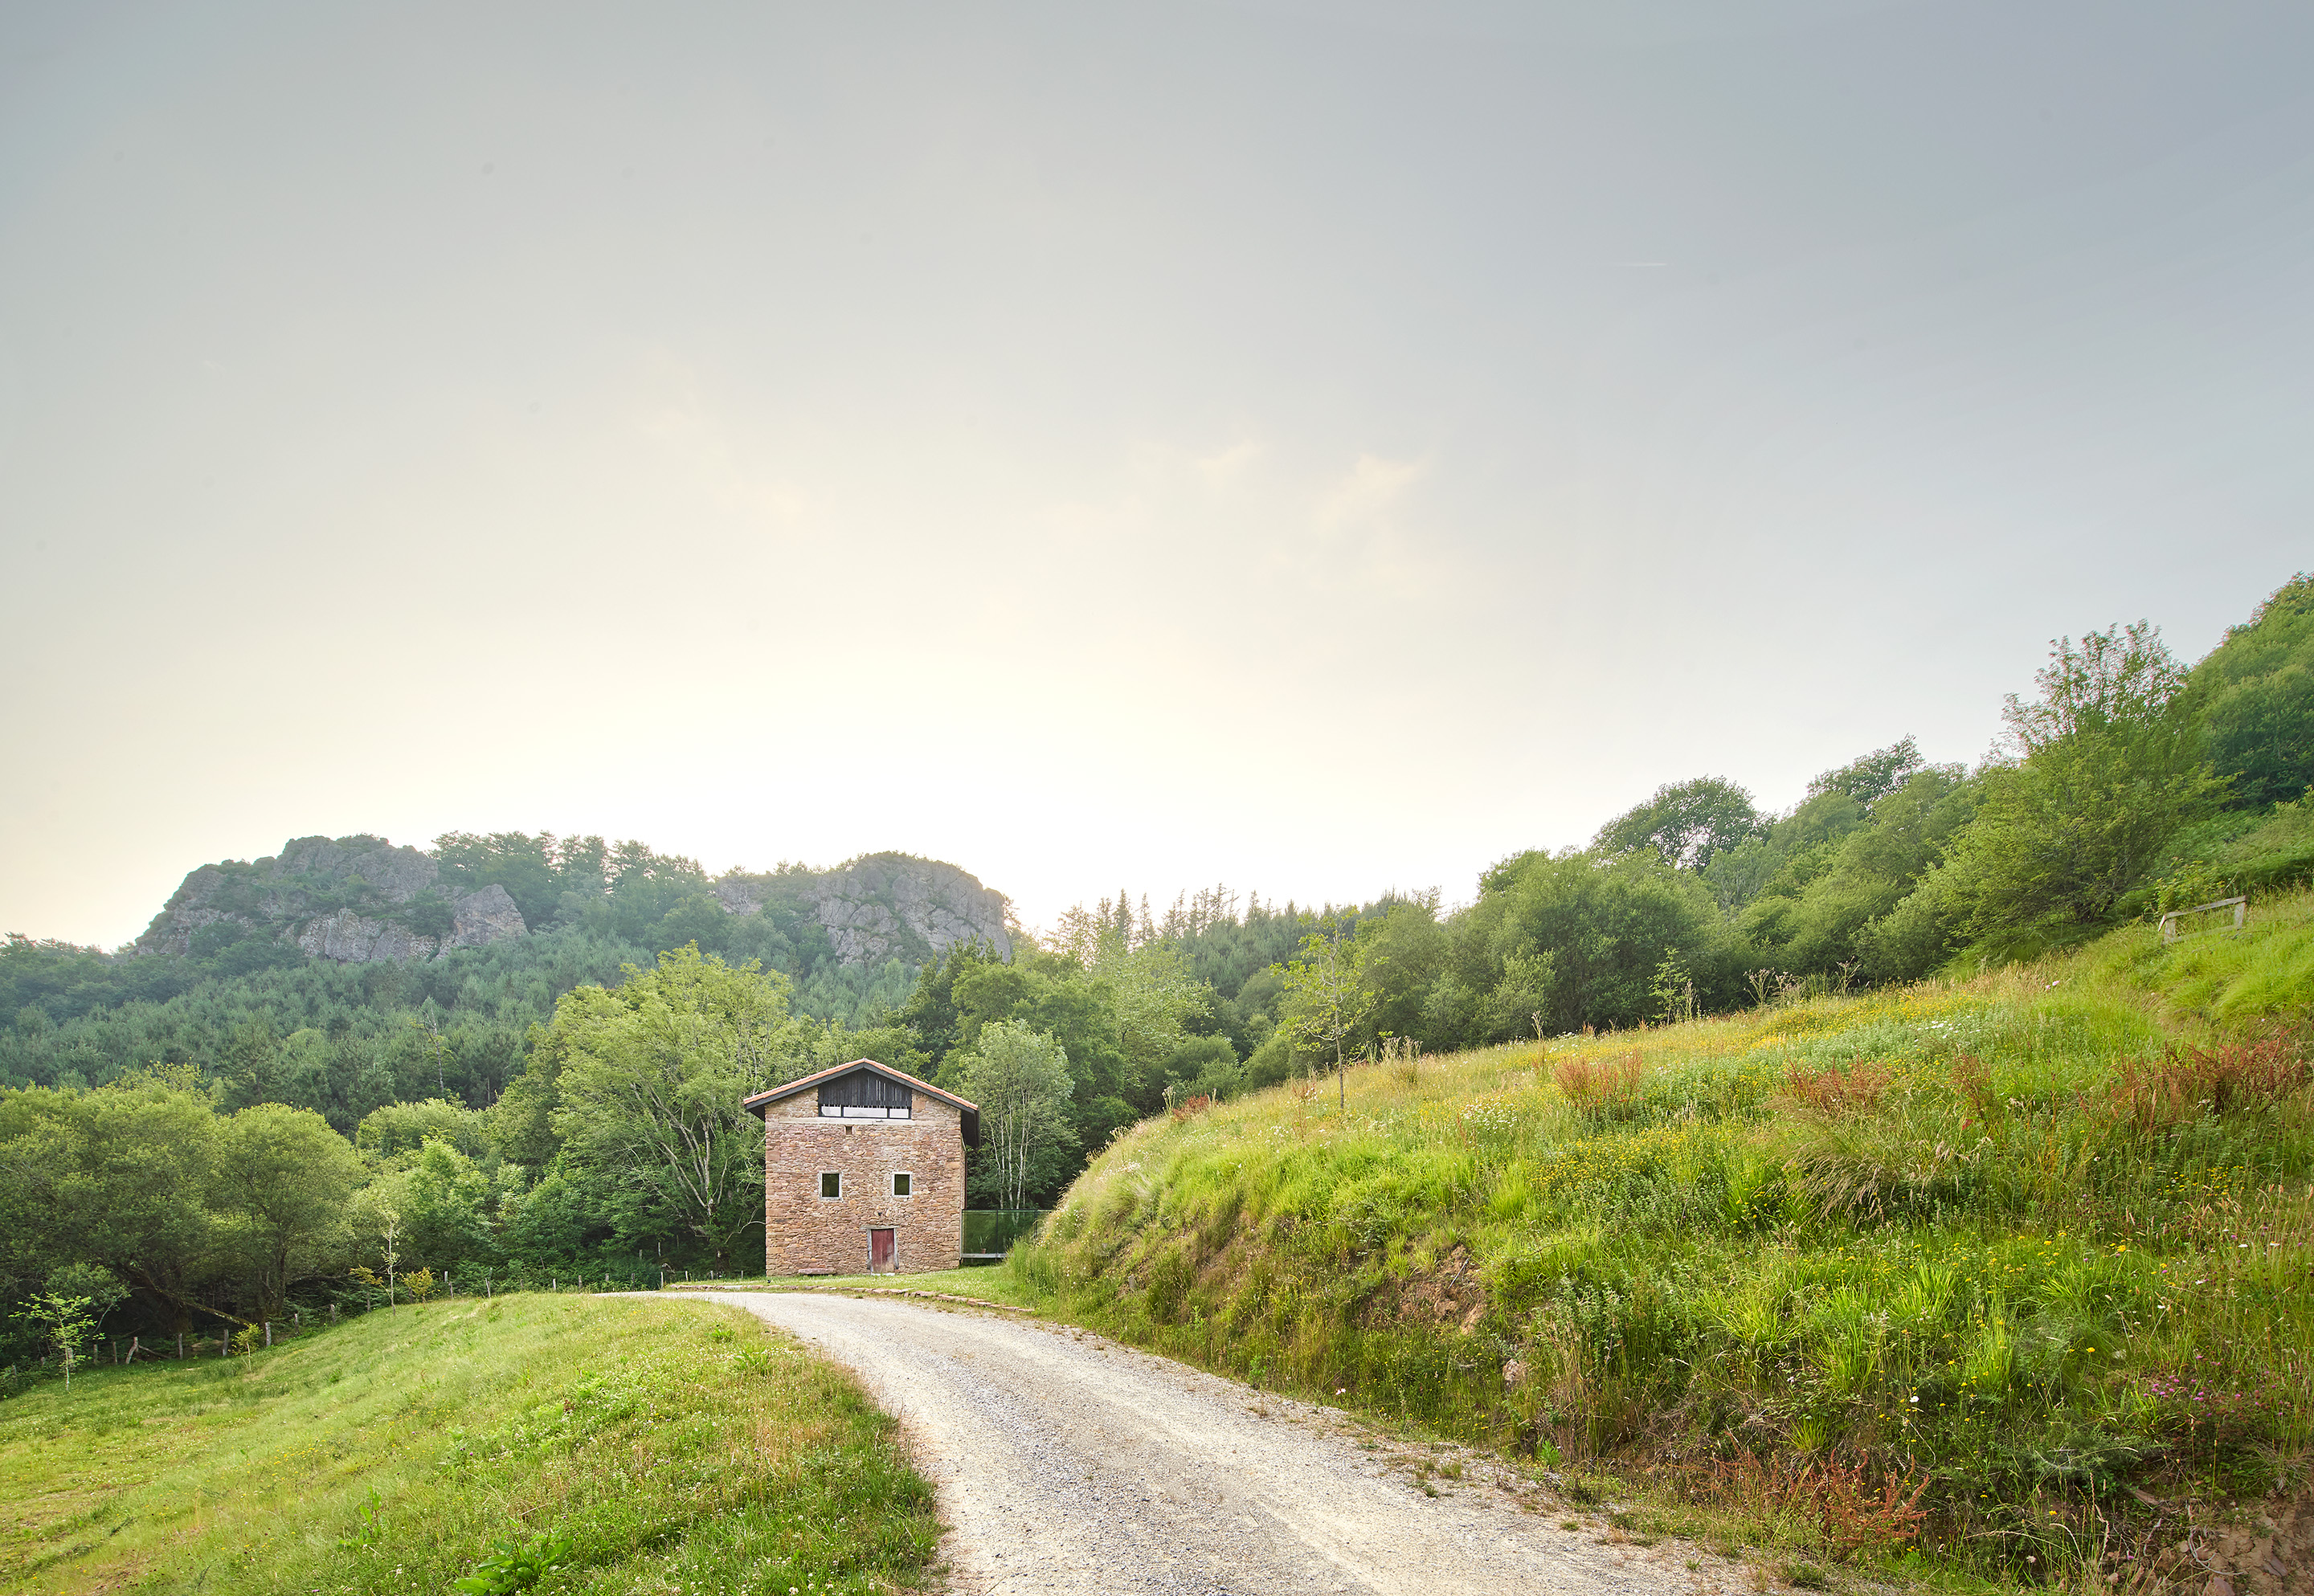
[[1833, 1091], [2187, 1083], [1601, 1083]]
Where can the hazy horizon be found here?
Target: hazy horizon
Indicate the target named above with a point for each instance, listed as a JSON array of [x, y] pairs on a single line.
[[1321, 448]]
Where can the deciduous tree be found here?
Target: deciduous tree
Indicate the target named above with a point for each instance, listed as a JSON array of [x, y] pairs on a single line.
[[1020, 1078], [285, 1176], [1328, 993], [653, 1073], [2105, 767]]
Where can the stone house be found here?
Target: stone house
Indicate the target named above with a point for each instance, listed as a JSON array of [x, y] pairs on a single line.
[[863, 1172]]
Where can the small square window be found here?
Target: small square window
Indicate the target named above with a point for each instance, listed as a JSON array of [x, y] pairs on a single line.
[[831, 1183], [900, 1184]]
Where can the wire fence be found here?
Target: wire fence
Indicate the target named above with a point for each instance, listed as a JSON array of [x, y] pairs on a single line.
[[409, 1287], [990, 1232]]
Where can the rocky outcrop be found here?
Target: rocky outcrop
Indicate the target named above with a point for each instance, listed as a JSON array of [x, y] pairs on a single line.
[[476, 919], [396, 874], [738, 896], [883, 906], [347, 938], [353, 900], [483, 917], [895, 906], [361, 900]]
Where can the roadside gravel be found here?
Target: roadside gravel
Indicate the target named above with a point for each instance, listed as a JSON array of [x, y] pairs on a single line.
[[1067, 1463]]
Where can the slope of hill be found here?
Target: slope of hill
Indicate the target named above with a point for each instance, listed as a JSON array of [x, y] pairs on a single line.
[[670, 1446], [2018, 1263]]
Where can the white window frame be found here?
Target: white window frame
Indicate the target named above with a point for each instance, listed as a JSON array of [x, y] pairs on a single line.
[[824, 1175], [892, 1184]]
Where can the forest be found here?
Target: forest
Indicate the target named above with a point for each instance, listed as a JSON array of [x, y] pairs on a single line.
[[198, 1142]]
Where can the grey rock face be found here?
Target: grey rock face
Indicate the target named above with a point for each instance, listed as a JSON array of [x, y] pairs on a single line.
[[893, 906], [349, 939], [301, 895], [399, 874], [737, 897], [347, 899], [486, 916]]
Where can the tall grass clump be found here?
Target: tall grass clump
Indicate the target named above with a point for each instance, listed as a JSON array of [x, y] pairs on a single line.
[[2003, 1269]]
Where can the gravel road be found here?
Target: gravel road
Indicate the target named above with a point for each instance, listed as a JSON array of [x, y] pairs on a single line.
[[1068, 1463]]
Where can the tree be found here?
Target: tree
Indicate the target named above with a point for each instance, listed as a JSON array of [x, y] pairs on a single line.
[[1871, 777], [1021, 1079], [1577, 938], [653, 1073], [287, 1176], [374, 1216], [1327, 994], [2105, 767], [2124, 682], [443, 1204], [63, 1322], [1865, 875], [120, 1176], [1153, 995], [1685, 823], [1405, 947], [2260, 688]]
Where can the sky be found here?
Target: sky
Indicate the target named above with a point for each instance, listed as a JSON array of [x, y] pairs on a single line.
[[1319, 447]]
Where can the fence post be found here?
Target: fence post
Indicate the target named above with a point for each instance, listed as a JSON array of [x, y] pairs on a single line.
[[269, 1332]]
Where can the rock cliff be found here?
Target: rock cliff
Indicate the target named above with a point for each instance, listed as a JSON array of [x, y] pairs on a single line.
[[355, 900], [361, 900], [889, 906]]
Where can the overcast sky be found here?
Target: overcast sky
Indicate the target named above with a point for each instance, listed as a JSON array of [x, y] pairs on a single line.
[[1322, 447]]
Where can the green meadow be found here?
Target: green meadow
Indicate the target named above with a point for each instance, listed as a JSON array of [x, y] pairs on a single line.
[[643, 1445]]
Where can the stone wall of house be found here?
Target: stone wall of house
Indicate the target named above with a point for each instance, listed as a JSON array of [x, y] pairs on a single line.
[[807, 1233]]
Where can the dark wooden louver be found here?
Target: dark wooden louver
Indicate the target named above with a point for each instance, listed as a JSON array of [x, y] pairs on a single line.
[[864, 1088]]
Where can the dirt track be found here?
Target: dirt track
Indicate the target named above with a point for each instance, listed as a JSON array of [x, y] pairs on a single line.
[[1068, 1463]]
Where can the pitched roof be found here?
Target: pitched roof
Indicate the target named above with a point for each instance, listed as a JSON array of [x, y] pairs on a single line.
[[759, 1104]]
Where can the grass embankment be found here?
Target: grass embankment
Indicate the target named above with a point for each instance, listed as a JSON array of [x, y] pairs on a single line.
[[1993, 1252], [679, 1448]]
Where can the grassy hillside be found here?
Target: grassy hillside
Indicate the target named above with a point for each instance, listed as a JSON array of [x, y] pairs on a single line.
[[677, 1446], [2020, 1263]]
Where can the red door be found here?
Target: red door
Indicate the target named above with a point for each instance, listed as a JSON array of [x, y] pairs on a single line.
[[879, 1251]]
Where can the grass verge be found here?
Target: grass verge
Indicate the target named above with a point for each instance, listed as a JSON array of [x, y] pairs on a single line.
[[674, 1449], [995, 1286]]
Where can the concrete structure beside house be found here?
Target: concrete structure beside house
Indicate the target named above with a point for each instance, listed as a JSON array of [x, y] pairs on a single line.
[[863, 1172]]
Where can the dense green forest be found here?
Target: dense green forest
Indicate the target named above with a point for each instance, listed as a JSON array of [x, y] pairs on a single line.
[[203, 1137]]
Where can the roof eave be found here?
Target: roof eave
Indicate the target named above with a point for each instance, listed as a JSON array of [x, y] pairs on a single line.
[[760, 1103]]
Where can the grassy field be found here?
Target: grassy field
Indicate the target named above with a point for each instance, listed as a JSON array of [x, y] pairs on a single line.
[[676, 1447], [2011, 1273]]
